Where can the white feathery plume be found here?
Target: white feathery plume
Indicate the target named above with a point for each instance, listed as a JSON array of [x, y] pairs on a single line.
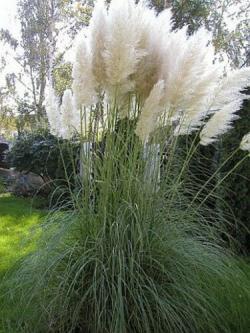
[[196, 106], [97, 35], [227, 101], [174, 58], [84, 84], [219, 123], [150, 112], [155, 30], [191, 78], [67, 115], [164, 22], [53, 112], [245, 142], [122, 53], [230, 86], [171, 66]]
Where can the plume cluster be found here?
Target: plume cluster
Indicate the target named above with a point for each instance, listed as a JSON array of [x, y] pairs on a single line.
[[64, 119], [132, 54]]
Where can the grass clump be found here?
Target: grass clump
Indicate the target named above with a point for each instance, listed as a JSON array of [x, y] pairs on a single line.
[[132, 261]]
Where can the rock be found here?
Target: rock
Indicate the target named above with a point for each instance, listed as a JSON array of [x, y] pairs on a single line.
[[23, 183]]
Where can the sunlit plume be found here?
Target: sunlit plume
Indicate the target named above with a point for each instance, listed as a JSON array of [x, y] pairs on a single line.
[[122, 51], [83, 79]]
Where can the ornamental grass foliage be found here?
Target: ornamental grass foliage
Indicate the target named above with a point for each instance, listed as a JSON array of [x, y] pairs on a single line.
[[136, 249]]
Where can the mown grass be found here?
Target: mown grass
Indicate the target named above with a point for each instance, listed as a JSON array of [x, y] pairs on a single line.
[[17, 220]]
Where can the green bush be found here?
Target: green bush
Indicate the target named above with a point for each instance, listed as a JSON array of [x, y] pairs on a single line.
[[40, 152], [44, 154]]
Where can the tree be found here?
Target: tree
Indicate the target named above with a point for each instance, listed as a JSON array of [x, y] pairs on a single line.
[[74, 15], [62, 76], [44, 25], [37, 23], [7, 118], [228, 20]]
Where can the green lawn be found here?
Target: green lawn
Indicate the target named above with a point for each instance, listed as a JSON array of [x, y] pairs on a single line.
[[17, 218]]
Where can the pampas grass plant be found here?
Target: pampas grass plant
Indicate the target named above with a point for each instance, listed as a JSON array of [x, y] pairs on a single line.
[[138, 250]]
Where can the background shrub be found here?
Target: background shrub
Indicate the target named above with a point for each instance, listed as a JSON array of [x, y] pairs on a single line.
[[44, 154], [236, 190]]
